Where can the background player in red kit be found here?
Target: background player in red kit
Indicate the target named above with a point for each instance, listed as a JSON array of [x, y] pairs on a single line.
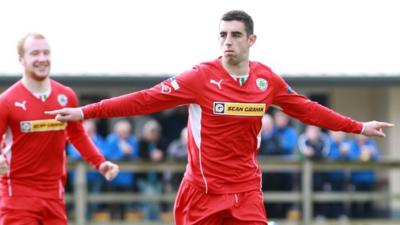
[[33, 156], [227, 98]]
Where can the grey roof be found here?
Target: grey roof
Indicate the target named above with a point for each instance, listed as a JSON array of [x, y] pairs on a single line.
[[150, 79]]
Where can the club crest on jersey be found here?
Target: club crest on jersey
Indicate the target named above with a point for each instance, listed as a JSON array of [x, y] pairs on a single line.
[[42, 125], [262, 84], [239, 109], [62, 100]]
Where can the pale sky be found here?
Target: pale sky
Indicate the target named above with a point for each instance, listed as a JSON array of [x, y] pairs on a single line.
[[170, 36]]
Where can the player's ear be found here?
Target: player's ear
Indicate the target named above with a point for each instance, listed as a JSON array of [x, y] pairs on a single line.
[[252, 39], [21, 60]]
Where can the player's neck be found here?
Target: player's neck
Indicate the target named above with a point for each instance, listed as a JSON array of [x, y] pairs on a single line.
[[241, 68], [36, 86]]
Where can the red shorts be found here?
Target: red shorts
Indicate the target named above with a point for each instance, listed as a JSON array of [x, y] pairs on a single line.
[[194, 207], [31, 210]]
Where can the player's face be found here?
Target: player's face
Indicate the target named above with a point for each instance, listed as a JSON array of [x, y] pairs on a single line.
[[36, 58], [234, 41]]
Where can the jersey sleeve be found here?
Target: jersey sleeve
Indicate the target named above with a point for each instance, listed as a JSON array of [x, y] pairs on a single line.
[[310, 112], [179, 90], [78, 137]]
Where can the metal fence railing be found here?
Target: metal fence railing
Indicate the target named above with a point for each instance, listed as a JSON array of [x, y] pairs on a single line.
[[305, 196]]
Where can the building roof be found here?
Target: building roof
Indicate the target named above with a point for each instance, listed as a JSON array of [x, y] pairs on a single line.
[[151, 79]]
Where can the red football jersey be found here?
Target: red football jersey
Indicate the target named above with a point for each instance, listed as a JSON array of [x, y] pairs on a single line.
[[34, 143], [224, 120]]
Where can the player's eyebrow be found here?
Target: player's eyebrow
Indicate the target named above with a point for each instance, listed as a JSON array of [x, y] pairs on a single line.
[[234, 33], [237, 33]]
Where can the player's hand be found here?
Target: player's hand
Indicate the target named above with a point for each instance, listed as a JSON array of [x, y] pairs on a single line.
[[109, 170], [3, 165], [67, 114], [375, 128]]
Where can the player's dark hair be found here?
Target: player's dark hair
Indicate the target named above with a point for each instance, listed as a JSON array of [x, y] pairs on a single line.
[[242, 16]]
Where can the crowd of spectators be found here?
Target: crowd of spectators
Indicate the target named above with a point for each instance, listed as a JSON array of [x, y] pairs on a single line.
[[280, 138], [163, 137]]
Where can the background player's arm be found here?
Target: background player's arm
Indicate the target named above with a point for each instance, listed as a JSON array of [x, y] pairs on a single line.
[[81, 141]]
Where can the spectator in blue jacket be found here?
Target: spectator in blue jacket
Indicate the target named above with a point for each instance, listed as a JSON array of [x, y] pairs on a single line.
[[363, 149], [286, 133], [122, 146], [339, 148], [313, 145]]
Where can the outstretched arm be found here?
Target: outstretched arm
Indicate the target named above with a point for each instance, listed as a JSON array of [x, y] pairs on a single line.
[[87, 149], [79, 138], [310, 112], [179, 90]]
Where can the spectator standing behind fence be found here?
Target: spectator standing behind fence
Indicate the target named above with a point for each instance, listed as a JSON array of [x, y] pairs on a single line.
[[172, 122], [94, 180], [313, 145], [363, 149], [271, 145], [286, 133], [270, 141], [122, 146], [339, 147], [176, 151], [228, 97], [152, 148], [282, 142]]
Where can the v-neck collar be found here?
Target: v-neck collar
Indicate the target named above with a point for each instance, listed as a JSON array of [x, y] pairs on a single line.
[[34, 96], [231, 79]]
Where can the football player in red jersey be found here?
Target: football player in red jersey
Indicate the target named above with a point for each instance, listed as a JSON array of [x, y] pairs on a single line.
[[32, 156], [227, 98]]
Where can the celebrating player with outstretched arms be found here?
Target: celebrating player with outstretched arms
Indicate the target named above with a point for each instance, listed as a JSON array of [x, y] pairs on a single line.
[[227, 99]]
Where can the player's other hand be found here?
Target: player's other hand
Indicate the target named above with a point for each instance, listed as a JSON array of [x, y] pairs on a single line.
[[67, 114], [3, 165], [109, 170], [375, 128]]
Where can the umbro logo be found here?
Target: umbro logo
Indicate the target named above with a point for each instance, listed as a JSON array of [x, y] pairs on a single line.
[[217, 83], [22, 105]]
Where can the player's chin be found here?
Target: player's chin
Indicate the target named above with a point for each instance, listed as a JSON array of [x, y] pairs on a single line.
[[232, 60], [40, 75]]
